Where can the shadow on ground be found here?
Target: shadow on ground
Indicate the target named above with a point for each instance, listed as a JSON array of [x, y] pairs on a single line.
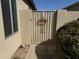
[[47, 50]]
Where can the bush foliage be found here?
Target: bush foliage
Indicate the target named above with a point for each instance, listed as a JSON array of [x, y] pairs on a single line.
[[68, 36]]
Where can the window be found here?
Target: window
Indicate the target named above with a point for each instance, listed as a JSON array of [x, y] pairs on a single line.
[[9, 16], [14, 13]]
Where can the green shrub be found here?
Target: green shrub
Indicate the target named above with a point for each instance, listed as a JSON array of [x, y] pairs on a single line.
[[68, 37]]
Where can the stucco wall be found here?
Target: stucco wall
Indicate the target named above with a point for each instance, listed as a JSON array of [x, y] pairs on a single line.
[[64, 16], [26, 26], [9, 45], [25, 19]]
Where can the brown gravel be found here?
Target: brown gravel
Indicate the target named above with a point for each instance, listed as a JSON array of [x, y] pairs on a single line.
[[21, 52]]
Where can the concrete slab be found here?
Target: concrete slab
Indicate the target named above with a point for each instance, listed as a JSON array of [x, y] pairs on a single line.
[[31, 53], [40, 52], [44, 50]]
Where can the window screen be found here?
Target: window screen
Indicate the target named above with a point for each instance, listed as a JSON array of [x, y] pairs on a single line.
[[6, 17]]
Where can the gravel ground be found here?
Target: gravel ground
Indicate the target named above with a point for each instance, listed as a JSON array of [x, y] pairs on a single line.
[[21, 52]]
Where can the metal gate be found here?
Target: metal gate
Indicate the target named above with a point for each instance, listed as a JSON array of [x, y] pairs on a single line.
[[43, 22]]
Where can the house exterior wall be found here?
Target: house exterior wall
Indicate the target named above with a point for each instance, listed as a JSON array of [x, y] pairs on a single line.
[[64, 16], [25, 17], [25, 13], [25, 22], [9, 45]]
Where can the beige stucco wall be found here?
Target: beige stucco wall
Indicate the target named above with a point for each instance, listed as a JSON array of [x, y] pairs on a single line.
[[9, 45], [26, 26], [25, 16], [64, 16]]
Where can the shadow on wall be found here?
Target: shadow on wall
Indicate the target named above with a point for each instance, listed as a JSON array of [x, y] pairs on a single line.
[[46, 50]]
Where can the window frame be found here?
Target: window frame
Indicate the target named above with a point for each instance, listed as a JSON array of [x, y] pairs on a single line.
[[11, 19]]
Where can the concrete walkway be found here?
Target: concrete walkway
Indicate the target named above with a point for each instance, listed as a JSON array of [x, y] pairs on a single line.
[[41, 52], [31, 53], [44, 50]]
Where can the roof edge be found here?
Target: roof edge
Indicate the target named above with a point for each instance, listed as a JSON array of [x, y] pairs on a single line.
[[72, 5], [31, 3]]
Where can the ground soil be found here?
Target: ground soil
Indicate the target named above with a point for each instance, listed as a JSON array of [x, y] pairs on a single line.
[[21, 52]]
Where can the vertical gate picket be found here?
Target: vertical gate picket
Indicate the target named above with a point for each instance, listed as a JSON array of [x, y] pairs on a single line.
[[39, 37]]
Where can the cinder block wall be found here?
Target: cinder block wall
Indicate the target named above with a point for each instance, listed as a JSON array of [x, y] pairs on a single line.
[[64, 16]]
